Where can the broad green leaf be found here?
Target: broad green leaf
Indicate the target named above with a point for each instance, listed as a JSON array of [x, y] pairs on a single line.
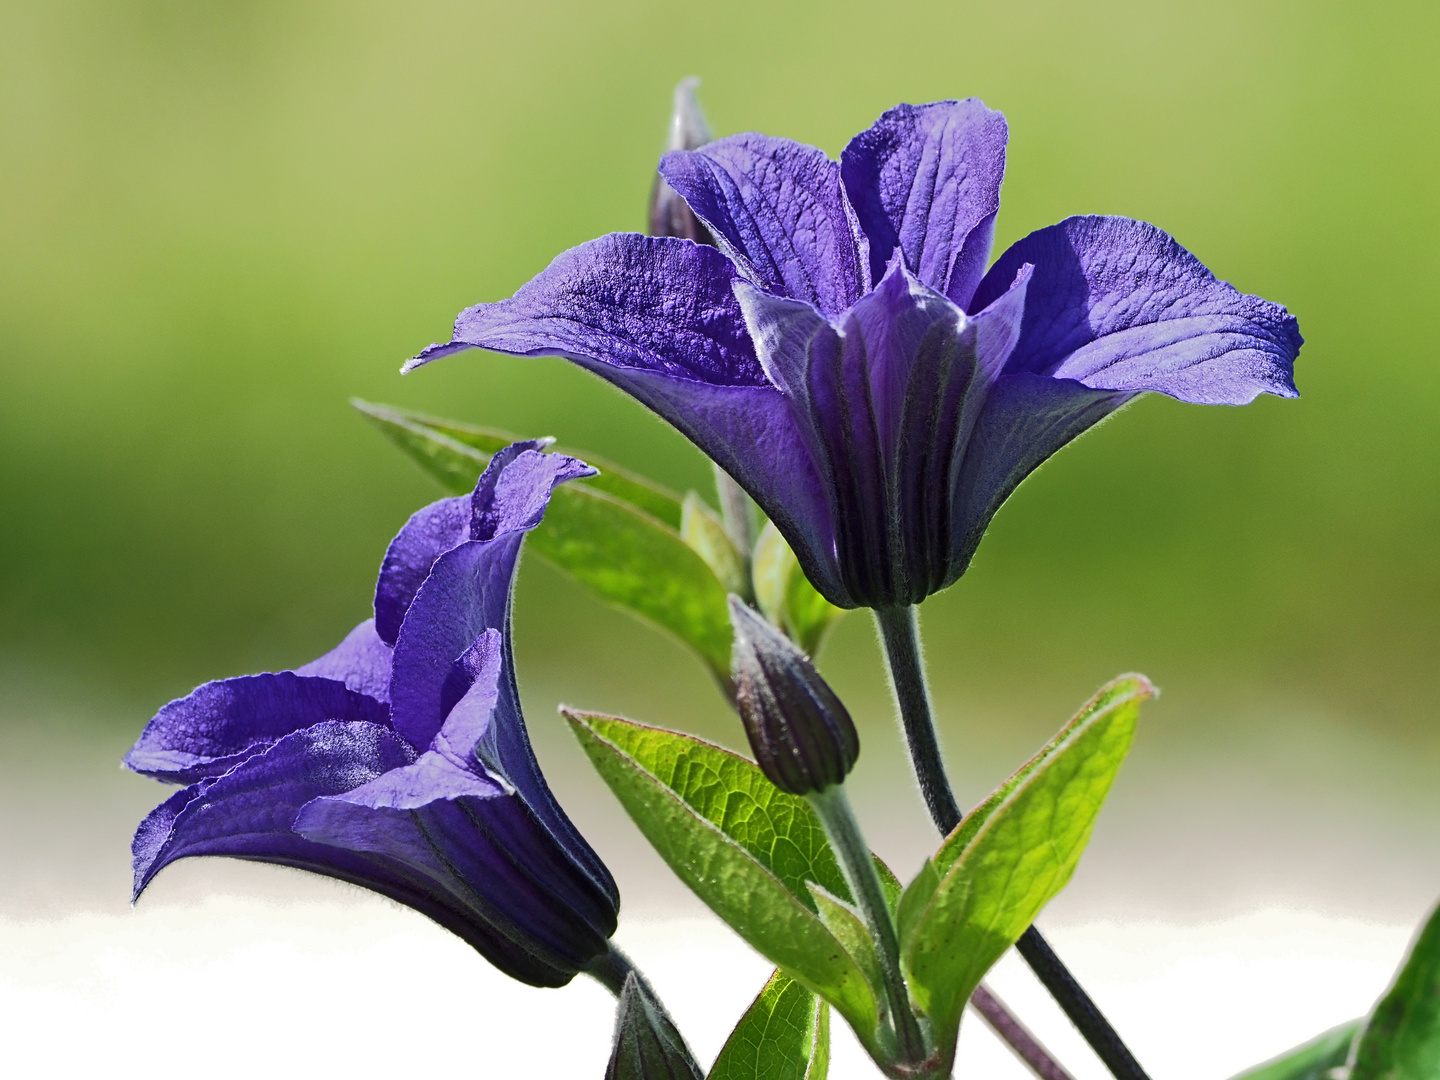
[[785, 594], [444, 447], [778, 830], [706, 535], [784, 1035], [989, 880], [743, 847], [613, 532], [1401, 1040], [1313, 1061]]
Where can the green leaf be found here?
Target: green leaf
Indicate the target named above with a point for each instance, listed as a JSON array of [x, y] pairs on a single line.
[[743, 846], [785, 594], [706, 535], [784, 1035], [444, 448], [613, 532], [854, 937], [637, 563], [1401, 1040], [1000, 867], [1313, 1061]]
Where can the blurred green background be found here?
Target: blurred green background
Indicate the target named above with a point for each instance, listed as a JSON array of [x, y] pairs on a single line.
[[219, 221]]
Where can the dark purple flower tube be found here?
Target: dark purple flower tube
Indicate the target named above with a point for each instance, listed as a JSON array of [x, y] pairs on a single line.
[[848, 359], [399, 761]]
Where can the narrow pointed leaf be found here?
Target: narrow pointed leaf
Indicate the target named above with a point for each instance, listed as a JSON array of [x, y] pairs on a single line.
[[614, 533], [785, 594], [987, 883], [706, 535], [1312, 1061], [406, 428], [742, 846], [1401, 1040], [784, 1035], [853, 935]]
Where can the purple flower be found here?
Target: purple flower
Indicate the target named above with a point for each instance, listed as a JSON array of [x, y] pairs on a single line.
[[846, 356], [399, 760]]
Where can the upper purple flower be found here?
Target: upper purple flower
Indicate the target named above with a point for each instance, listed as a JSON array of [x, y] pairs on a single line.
[[399, 760], [846, 356]]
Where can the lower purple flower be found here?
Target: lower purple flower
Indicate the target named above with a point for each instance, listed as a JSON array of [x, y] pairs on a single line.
[[399, 761]]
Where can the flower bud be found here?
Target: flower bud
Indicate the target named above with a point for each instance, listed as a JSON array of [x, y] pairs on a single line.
[[647, 1044], [669, 215], [802, 737]]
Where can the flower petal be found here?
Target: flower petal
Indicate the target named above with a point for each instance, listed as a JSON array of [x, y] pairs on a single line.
[[1026, 418], [887, 401], [544, 916], [467, 591], [446, 644], [428, 534], [926, 179], [1118, 305], [222, 723], [248, 812], [683, 351], [251, 813], [778, 208], [361, 662], [627, 301]]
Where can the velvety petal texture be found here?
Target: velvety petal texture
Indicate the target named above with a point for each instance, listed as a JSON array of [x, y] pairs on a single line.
[[845, 355], [405, 770]]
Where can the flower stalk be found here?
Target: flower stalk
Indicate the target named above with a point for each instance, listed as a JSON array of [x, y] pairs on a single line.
[[832, 806], [900, 634]]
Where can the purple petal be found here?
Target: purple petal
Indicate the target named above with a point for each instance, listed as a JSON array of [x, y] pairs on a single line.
[[624, 300], [361, 662], [1026, 418], [926, 179], [467, 593], [1118, 305], [779, 210], [752, 433], [452, 864], [428, 534], [546, 916], [249, 811], [220, 724], [887, 402], [513, 491]]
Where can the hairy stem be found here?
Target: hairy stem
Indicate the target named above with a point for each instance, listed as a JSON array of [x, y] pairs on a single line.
[[1017, 1036], [611, 968], [900, 635], [832, 806]]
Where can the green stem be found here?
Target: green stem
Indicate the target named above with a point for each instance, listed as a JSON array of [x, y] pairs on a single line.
[[832, 806], [900, 634], [610, 970]]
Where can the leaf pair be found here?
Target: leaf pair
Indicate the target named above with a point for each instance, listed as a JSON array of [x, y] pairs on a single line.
[[1400, 1040], [638, 546], [759, 858]]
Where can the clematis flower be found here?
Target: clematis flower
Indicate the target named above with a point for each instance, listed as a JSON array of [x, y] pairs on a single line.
[[399, 761], [845, 355]]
